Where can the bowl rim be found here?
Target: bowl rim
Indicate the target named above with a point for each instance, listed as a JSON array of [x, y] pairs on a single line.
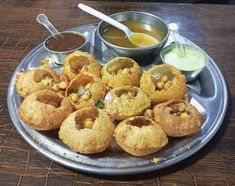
[[66, 51], [136, 49]]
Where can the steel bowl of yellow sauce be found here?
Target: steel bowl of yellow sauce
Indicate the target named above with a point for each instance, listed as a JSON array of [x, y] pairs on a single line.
[[119, 44], [190, 60]]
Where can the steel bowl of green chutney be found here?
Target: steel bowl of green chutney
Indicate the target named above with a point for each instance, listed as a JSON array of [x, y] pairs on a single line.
[[190, 60]]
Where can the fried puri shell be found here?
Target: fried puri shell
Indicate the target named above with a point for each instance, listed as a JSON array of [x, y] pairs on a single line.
[[162, 83], [178, 118], [44, 110], [39, 78], [140, 136], [78, 62], [90, 139], [85, 96], [121, 71], [126, 101]]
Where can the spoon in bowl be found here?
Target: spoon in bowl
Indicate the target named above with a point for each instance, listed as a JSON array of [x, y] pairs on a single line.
[[141, 40], [175, 30], [42, 19]]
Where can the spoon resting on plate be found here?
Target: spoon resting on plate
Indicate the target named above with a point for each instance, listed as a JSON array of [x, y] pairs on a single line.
[[141, 40]]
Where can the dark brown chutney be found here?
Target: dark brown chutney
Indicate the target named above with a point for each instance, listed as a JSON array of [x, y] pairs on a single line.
[[69, 41]]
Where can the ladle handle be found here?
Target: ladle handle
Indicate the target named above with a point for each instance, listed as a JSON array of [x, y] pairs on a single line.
[[42, 19], [175, 30], [105, 18]]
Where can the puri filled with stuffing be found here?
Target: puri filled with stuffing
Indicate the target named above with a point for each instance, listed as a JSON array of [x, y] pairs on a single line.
[[91, 106]]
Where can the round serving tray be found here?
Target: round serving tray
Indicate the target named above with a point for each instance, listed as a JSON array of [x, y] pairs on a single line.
[[208, 93]]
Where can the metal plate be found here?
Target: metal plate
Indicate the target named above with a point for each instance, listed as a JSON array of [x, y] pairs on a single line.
[[208, 91]]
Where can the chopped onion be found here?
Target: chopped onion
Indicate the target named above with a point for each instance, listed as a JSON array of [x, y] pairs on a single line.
[[109, 97], [81, 91], [87, 92]]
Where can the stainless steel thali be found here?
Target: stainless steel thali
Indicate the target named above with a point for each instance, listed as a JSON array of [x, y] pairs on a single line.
[[208, 91]]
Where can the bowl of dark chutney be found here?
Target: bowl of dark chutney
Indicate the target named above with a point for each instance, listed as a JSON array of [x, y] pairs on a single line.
[[59, 47]]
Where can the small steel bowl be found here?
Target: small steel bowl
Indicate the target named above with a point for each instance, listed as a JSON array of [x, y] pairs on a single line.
[[58, 56], [141, 55], [190, 75]]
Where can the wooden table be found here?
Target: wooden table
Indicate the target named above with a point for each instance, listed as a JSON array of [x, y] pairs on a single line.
[[210, 26]]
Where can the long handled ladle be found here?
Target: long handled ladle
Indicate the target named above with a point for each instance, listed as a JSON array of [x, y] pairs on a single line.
[[139, 39]]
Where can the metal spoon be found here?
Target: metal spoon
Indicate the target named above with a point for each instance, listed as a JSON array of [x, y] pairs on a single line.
[[139, 39], [42, 19], [175, 30]]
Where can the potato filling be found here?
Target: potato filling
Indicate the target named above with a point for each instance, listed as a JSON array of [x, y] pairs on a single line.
[[162, 83], [81, 93], [87, 119], [179, 109], [88, 123], [118, 68], [126, 94]]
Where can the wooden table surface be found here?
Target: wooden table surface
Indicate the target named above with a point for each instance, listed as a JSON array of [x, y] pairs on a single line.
[[212, 27]]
